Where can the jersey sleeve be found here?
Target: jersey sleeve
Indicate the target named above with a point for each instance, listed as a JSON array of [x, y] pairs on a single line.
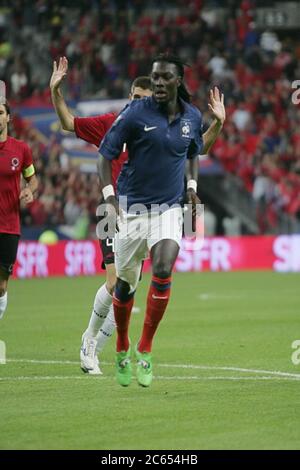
[[27, 167], [93, 129], [196, 145], [119, 134]]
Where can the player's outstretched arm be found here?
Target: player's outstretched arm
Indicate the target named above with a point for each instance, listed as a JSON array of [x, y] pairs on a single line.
[[59, 72], [217, 108]]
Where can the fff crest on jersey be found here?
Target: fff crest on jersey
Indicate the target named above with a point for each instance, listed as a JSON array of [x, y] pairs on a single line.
[[185, 129], [14, 163]]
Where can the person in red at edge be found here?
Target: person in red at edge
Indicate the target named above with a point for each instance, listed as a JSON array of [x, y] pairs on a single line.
[[93, 129], [15, 160]]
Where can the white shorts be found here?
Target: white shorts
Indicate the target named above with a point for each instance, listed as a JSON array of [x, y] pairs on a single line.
[[138, 234]]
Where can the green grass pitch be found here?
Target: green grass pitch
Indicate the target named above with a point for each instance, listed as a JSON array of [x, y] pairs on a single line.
[[224, 378]]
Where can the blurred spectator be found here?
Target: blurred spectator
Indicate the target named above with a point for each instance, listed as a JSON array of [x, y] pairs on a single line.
[[19, 80], [269, 42], [217, 65], [232, 226], [210, 222], [241, 117], [72, 209]]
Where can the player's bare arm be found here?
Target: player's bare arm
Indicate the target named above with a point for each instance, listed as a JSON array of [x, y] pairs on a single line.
[[191, 173], [60, 70], [192, 168], [217, 108], [27, 193], [192, 198], [112, 206]]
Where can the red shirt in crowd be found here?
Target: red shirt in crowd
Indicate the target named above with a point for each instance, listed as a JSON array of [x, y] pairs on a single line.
[[92, 130], [15, 159]]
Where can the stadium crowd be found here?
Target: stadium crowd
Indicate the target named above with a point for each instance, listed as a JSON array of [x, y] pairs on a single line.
[[108, 43]]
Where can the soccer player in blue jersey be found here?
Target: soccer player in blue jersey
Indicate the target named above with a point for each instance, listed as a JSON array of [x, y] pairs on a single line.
[[161, 132]]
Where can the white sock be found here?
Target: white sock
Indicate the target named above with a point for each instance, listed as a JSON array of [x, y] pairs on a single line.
[[102, 304], [3, 304], [106, 330]]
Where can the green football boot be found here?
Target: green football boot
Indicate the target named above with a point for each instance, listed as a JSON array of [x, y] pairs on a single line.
[[123, 366], [144, 368]]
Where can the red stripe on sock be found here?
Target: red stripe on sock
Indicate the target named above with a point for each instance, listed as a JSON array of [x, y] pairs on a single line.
[[158, 280], [122, 311], [157, 302]]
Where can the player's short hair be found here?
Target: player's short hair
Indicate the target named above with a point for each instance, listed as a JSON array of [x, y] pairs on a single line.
[[142, 82], [6, 106]]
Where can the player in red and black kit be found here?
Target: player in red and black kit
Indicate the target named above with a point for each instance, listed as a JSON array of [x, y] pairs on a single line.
[[15, 160], [92, 130]]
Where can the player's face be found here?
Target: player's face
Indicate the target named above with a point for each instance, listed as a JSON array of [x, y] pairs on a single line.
[[4, 119], [165, 81], [137, 93]]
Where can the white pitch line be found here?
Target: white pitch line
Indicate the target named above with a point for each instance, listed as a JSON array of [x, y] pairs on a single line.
[[49, 377], [41, 361], [260, 377], [236, 369], [179, 366], [158, 377]]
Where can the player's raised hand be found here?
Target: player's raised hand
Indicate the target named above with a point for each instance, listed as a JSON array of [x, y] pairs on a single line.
[[216, 105], [59, 72], [26, 195]]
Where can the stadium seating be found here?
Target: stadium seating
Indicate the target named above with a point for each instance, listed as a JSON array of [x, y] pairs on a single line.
[[109, 43]]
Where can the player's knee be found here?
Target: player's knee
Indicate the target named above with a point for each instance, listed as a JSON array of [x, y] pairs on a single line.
[[162, 270], [110, 287], [122, 291], [111, 284], [111, 278]]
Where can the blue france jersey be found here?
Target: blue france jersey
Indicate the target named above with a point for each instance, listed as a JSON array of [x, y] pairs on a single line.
[[157, 149]]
